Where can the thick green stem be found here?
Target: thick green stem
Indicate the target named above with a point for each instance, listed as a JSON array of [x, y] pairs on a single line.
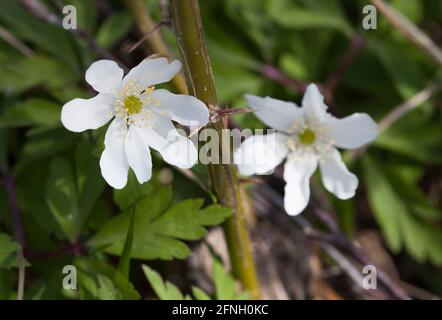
[[189, 32]]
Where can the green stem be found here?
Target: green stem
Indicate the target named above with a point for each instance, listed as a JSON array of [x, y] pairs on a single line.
[[189, 33]]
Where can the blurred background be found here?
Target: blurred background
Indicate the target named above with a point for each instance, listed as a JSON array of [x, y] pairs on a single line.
[[258, 47]]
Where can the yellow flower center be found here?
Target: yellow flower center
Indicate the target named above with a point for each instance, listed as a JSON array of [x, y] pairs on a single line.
[[307, 136], [132, 104]]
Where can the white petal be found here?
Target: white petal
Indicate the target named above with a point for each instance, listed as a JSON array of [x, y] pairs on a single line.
[[104, 76], [353, 131], [336, 177], [113, 161], [180, 152], [313, 103], [82, 114], [297, 173], [138, 154], [153, 71], [260, 154], [274, 113], [186, 110], [175, 148]]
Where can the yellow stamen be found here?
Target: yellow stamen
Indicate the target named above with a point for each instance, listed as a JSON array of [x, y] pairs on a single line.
[[132, 104], [307, 136]]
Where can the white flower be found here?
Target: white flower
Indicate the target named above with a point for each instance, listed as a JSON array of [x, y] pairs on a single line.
[[307, 136], [142, 118]]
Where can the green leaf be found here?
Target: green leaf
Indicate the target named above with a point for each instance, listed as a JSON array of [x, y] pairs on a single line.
[[31, 112], [164, 290], [133, 192], [8, 252], [224, 282], [25, 73], [62, 197], [158, 233], [71, 195], [99, 280], [401, 228], [46, 37], [316, 14], [6, 287], [401, 64], [46, 142], [415, 199], [31, 198], [199, 294], [414, 136], [124, 262], [90, 184], [86, 13], [232, 81], [225, 288], [113, 29]]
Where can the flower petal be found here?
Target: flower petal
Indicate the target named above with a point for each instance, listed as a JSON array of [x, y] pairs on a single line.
[[104, 76], [153, 71], [175, 148], [336, 177], [113, 161], [82, 114], [353, 131], [297, 173], [313, 103], [138, 154], [260, 154], [186, 110], [274, 113], [180, 152]]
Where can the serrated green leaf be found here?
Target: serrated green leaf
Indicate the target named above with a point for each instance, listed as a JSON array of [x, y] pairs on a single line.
[[165, 290], [158, 232], [416, 200], [101, 281], [401, 228], [225, 287]]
